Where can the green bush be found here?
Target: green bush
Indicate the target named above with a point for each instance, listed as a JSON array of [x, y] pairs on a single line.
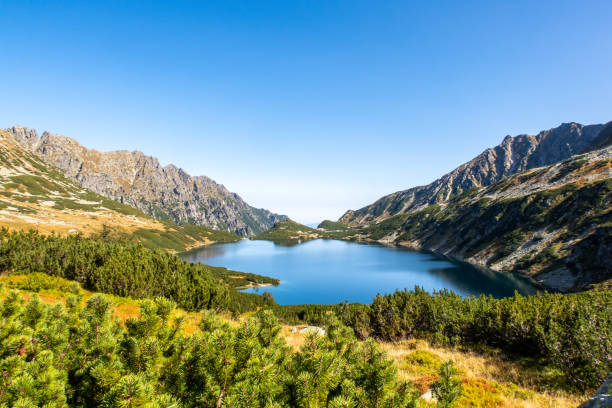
[[56, 356], [122, 269], [570, 332]]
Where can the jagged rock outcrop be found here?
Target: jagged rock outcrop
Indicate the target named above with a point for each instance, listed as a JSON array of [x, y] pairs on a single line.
[[513, 155], [164, 192], [36, 195]]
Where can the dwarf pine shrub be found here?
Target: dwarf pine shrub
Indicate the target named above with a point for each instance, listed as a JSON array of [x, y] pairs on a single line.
[[74, 355]]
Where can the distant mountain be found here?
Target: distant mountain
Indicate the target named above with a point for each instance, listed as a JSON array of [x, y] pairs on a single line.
[[165, 193], [36, 195], [513, 155]]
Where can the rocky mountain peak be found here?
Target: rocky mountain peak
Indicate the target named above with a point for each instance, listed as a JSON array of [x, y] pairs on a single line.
[[25, 136], [511, 156], [139, 180]]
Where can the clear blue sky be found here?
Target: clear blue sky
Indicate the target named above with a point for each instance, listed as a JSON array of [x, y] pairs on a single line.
[[305, 108]]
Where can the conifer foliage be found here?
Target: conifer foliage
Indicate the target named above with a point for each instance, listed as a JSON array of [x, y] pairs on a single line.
[[79, 355], [572, 332], [119, 268], [448, 388]]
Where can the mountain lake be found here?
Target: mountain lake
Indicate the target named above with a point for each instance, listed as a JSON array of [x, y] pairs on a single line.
[[331, 271]]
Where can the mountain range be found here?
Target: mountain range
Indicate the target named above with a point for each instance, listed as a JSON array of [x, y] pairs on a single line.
[[163, 192], [36, 195], [513, 155], [538, 204], [535, 204]]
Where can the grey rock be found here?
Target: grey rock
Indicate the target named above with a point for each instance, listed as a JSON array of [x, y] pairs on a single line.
[[166, 193], [503, 221], [513, 155]]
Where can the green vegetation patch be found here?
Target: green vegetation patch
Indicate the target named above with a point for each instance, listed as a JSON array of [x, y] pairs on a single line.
[[118, 268], [71, 204], [422, 362], [121, 208], [179, 238], [74, 355], [37, 282], [168, 239], [289, 233], [568, 168], [198, 232], [333, 225], [37, 185], [381, 229]]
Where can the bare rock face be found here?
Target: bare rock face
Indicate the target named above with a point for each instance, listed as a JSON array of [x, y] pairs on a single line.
[[513, 155], [136, 179], [27, 137]]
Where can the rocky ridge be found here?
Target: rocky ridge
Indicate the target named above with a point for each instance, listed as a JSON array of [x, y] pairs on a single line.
[[513, 155], [36, 195], [164, 192]]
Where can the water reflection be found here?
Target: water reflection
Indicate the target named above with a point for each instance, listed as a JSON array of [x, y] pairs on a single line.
[[486, 281], [199, 254], [329, 271]]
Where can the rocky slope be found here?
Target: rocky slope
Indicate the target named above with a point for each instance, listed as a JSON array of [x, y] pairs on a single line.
[[553, 223], [36, 195], [513, 155], [166, 193]]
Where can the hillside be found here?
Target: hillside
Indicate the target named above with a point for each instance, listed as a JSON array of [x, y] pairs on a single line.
[[127, 269], [165, 193], [289, 232], [553, 223], [513, 155], [36, 195], [487, 379]]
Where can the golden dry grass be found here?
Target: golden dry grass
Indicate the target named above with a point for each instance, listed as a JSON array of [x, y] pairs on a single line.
[[488, 380], [294, 339], [47, 220]]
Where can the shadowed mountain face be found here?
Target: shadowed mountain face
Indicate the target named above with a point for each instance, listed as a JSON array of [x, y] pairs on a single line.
[[166, 193], [513, 155]]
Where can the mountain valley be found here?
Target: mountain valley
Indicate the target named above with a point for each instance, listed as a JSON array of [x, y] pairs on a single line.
[[527, 206]]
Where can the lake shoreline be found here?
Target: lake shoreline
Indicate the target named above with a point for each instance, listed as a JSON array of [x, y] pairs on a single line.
[[454, 258], [481, 266], [253, 285], [474, 263], [329, 271]]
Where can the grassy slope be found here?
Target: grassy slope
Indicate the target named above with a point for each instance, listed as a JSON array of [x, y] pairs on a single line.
[[289, 233], [487, 378], [35, 195], [293, 233], [333, 226]]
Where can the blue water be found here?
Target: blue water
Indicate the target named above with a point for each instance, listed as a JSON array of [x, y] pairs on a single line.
[[330, 271]]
